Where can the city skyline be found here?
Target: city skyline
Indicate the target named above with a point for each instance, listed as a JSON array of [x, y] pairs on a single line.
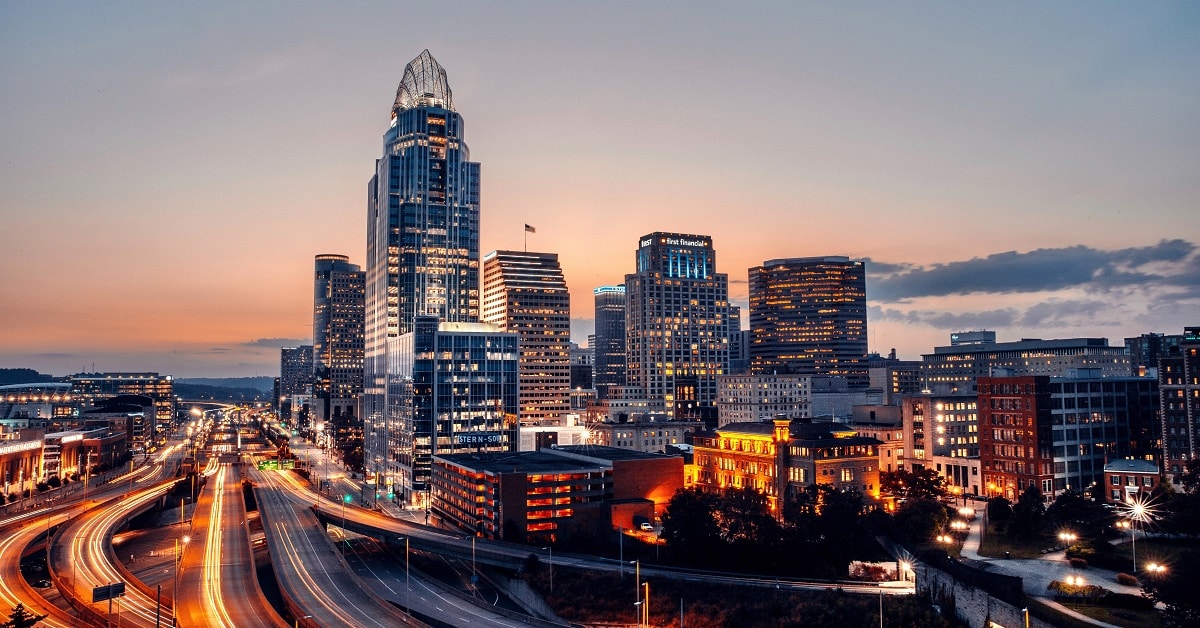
[[170, 172]]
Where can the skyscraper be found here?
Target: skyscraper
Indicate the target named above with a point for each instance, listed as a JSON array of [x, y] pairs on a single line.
[[295, 382], [422, 240], [808, 316], [1179, 403], [337, 336], [677, 323], [525, 293], [608, 362]]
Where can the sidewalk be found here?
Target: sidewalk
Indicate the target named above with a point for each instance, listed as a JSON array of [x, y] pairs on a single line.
[[1038, 573]]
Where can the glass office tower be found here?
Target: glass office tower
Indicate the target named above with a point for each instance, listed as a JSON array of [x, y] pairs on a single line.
[[422, 237]]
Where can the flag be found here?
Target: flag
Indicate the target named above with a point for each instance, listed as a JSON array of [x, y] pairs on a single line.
[[529, 229]]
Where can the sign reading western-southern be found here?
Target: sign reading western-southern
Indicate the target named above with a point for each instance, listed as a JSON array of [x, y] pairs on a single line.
[[477, 438]]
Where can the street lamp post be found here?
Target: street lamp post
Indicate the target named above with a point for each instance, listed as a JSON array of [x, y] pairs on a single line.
[[548, 547]]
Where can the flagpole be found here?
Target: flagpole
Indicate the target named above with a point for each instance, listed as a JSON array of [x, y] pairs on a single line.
[[525, 231]]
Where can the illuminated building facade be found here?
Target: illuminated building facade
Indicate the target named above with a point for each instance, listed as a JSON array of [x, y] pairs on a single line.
[[808, 316], [452, 388], [941, 433], [742, 398], [422, 239], [1179, 402], [677, 323], [1126, 479], [608, 366], [337, 336], [780, 457], [35, 405], [525, 293]]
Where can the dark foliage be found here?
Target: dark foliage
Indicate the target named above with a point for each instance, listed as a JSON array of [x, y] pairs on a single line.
[[1027, 515], [20, 617], [913, 484], [1177, 590]]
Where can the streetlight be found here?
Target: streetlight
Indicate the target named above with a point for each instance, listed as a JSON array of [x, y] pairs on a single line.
[[646, 607], [345, 499], [175, 590], [299, 619], [1156, 569], [407, 582], [548, 547], [1068, 538], [637, 607]]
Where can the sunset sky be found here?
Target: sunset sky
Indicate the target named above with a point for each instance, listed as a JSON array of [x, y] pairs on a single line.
[[169, 170]]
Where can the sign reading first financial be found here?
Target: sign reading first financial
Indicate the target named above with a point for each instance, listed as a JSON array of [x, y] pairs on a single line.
[[676, 242]]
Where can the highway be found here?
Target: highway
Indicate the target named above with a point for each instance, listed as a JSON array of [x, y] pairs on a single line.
[[21, 530], [218, 585], [319, 586]]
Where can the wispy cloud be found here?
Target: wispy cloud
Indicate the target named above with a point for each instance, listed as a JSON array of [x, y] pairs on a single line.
[[276, 343], [1168, 264]]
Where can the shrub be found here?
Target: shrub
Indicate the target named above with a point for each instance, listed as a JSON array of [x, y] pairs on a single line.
[[42, 487], [1127, 580], [1079, 563]]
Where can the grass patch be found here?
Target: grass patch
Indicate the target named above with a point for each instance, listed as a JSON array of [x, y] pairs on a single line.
[[1125, 617], [996, 543]]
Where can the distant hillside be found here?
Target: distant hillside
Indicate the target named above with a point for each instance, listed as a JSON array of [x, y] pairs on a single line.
[[263, 383], [26, 376], [229, 389]]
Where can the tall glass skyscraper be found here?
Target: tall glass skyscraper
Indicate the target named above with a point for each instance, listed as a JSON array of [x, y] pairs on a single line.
[[808, 316], [608, 359], [677, 323], [422, 240]]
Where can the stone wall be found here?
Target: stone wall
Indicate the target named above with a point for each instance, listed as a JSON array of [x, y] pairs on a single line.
[[971, 604]]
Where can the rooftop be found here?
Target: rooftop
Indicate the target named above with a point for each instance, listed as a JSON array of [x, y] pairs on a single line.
[[519, 462], [1131, 465]]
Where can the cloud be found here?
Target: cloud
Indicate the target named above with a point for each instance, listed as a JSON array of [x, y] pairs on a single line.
[[1064, 312], [990, 319], [276, 343], [1170, 263]]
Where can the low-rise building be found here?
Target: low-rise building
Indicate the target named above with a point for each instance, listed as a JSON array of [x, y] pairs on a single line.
[[643, 432], [1128, 478], [552, 494]]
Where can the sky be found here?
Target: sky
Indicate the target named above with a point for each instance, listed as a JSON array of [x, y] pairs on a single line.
[[168, 171]]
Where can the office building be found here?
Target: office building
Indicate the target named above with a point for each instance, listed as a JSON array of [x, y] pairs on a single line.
[[677, 323], [749, 398], [295, 384], [422, 239], [941, 433], [337, 337], [808, 316], [895, 377], [1058, 433], [453, 389], [581, 367], [525, 293], [958, 366], [739, 346], [651, 433], [89, 388], [608, 365], [1179, 403], [1145, 350]]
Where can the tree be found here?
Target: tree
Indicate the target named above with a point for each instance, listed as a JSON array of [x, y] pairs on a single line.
[[22, 618], [999, 511], [1027, 515], [1190, 478], [1176, 590], [915, 484], [919, 520], [1081, 515], [690, 528]]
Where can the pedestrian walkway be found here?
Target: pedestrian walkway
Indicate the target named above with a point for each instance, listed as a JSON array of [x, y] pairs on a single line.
[[1037, 573]]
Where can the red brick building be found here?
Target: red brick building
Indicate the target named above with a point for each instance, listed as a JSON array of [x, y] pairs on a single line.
[[1015, 438]]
